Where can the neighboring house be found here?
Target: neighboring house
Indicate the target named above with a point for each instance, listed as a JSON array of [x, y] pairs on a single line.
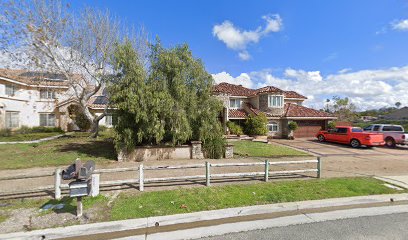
[[278, 105], [368, 118], [399, 114], [33, 99]]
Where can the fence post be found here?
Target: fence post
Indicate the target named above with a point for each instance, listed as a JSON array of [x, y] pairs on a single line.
[[266, 170], [141, 178], [94, 184], [57, 184], [207, 174], [319, 167]]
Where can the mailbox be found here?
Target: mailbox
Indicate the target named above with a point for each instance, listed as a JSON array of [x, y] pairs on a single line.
[[78, 189], [79, 171]]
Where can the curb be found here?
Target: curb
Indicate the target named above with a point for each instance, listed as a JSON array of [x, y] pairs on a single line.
[[186, 226]]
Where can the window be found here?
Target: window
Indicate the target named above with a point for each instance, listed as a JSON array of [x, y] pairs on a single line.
[[392, 129], [235, 103], [272, 127], [11, 90], [376, 128], [275, 101], [357, 129], [341, 130], [47, 120], [12, 119], [47, 94], [110, 120], [368, 128]]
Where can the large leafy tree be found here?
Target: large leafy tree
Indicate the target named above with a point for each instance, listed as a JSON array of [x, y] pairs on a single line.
[[48, 36], [168, 102]]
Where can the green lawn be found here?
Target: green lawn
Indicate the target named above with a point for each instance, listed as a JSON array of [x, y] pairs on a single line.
[[202, 199], [28, 136], [146, 204], [61, 151], [260, 149]]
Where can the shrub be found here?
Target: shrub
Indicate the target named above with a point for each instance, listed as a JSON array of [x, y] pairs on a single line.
[[256, 125], [214, 147], [23, 130], [102, 128], [5, 132], [331, 125], [293, 126], [234, 128]]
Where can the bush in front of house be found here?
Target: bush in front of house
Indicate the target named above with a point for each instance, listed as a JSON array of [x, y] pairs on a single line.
[[234, 128], [28, 130], [6, 132], [214, 147], [293, 126], [256, 125], [331, 125]]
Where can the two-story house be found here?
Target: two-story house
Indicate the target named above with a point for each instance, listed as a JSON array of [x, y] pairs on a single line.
[[33, 99], [278, 105]]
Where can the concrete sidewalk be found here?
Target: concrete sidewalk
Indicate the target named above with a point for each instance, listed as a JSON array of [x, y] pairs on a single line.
[[218, 222]]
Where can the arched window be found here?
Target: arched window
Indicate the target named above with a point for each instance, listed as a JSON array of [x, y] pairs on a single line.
[[273, 127]]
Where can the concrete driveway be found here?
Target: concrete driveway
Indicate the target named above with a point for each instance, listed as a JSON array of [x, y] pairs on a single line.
[[342, 160]]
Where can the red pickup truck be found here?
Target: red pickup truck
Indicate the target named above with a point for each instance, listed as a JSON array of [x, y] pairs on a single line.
[[354, 136]]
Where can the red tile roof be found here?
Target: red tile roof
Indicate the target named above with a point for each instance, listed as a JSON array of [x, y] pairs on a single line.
[[294, 110], [237, 113], [234, 90], [239, 90], [290, 110]]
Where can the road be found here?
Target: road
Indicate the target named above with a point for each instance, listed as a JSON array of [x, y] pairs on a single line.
[[387, 227]]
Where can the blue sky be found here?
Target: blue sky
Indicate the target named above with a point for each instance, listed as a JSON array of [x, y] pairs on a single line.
[[312, 45]]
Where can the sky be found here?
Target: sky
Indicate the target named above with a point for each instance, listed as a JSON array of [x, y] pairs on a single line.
[[319, 48]]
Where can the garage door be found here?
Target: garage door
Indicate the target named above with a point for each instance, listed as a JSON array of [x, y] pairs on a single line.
[[308, 128]]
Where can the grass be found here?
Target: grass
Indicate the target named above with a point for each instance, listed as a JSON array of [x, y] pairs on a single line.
[[202, 199], [61, 151], [28, 136], [147, 204], [3, 218], [260, 149]]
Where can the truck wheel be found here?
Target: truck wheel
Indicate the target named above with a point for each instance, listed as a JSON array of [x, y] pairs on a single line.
[[321, 138], [355, 143], [390, 142]]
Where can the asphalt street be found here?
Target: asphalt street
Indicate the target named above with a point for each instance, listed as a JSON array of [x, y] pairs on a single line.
[[384, 227]]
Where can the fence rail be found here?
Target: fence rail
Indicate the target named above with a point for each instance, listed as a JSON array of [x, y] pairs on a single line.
[[207, 177]]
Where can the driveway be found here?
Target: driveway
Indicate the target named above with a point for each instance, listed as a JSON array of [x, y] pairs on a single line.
[[342, 160]]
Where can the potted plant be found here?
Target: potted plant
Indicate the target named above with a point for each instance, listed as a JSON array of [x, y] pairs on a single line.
[[292, 126]]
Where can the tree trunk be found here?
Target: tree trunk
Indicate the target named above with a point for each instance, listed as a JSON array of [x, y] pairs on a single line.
[[95, 125]]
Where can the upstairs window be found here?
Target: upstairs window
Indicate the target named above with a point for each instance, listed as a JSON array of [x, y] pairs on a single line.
[[275, 101], [235, 103], [47, 94], [47, 120], [11, 90]]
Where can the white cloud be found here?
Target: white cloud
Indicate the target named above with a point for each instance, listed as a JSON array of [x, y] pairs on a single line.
[[244, 55], [244, 79], [238, 40], [368, 89], [401, 25]]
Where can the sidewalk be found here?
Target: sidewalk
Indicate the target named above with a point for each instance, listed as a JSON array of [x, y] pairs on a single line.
[[218, 222]]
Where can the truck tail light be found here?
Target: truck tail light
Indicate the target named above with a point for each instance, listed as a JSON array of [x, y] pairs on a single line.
[[368, 138], [403, 136]]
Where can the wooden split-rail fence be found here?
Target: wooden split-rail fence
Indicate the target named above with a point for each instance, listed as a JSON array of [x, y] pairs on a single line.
[[207, 176]]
